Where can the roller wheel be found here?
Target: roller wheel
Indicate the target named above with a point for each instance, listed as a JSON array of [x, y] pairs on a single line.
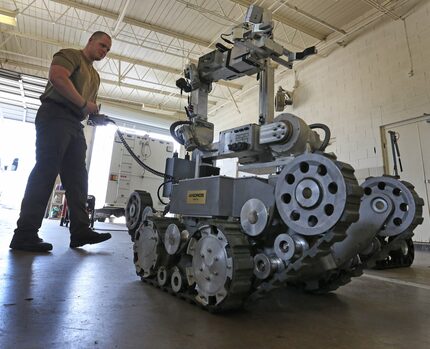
[[136, 204]]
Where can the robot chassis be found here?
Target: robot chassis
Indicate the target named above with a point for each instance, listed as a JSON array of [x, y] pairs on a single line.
[[308, 224]]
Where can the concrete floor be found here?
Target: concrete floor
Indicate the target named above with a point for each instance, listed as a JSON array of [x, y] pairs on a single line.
[[91, 298]]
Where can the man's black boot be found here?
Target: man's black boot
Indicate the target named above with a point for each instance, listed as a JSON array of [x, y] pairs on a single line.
[[33, 244], [89, 237]]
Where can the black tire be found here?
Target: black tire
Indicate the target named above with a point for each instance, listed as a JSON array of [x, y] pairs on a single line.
[[398, 258], [404, 258]]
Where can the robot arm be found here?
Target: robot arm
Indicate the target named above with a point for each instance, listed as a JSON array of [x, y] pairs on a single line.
[[252, 49]]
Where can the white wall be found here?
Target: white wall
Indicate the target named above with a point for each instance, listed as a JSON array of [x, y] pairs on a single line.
[[358, 88]]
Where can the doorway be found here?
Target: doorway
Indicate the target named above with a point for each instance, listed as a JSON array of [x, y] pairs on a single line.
[[413, 138], [17, 159]]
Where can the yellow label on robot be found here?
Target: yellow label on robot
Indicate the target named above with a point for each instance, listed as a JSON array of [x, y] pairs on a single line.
[[196, 197]]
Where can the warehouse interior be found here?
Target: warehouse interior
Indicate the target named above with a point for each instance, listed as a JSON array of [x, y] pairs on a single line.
[[348, 79]]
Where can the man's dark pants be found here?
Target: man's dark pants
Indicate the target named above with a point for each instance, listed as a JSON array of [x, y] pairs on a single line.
[[60, 149]]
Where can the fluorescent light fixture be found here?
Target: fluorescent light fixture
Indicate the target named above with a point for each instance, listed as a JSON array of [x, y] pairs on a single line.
[[8, 17]]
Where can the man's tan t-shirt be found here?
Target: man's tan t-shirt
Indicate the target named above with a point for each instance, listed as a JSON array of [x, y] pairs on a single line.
[[83, 76]]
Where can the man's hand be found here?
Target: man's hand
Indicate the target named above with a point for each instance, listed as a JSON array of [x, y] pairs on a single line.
[[91, 108], [60, 79]]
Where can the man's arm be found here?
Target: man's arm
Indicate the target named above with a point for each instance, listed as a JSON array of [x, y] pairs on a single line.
[[60, 79]]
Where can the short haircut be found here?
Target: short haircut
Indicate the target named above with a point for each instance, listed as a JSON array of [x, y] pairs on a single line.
[[99, 34]]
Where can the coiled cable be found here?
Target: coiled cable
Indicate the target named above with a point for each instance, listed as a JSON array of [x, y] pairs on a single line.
[[173, 130], [327, 134], [135, 157], [158, 191]]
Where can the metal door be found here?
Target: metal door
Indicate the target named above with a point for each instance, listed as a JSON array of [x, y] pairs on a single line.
[[414, 144]]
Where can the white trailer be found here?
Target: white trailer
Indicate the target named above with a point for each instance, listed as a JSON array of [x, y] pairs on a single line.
[[126, 176]]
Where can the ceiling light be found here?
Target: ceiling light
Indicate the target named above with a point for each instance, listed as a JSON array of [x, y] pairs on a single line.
[[8, 17]]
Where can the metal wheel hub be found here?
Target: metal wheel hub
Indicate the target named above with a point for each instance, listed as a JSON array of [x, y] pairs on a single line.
[[132, 209], [177, 281], [311, 194], [211, 265], [254, 217], [262, 266], [172, 239], [146, 250], [284, 247], [162, 276], [308, 193]]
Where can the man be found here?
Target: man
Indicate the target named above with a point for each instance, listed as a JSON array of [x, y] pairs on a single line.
[[69, 97]]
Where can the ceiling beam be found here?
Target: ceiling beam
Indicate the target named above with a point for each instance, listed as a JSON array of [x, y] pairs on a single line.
[[287, 21], [161, 47], [115, 56], [151, 108], [105, 81], [360, 24], [45, 69], [204, 10], [149, 90], [120, 19], [382, 9], [312, 17], [135, 22], [46, 63]]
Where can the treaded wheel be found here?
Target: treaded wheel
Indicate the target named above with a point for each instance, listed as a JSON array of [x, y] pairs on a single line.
[[402, 257], [136, 204], [405, 255], [221, 268], [312, 193], [308, 166], [407, 213], [333, 279], [147, 249]]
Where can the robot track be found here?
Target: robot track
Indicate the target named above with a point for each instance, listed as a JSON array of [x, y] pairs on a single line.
[[211, 267]]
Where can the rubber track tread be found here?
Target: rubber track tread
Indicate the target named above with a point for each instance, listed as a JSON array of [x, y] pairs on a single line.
[[322, 247], [380, 260], [239, 250]]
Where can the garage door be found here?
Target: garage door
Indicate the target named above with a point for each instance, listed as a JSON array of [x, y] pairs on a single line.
[[19, 95]]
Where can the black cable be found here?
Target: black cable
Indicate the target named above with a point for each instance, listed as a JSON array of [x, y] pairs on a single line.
[[189, 110], [158, 191], [180, 140], [173, 128], [327, 135], [227, 40], [134, 156], [166, 209]]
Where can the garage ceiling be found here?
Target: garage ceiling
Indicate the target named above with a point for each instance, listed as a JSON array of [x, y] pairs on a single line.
[[154, 39]]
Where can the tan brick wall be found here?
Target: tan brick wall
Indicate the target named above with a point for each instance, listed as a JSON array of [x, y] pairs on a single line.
[[357, 88]]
